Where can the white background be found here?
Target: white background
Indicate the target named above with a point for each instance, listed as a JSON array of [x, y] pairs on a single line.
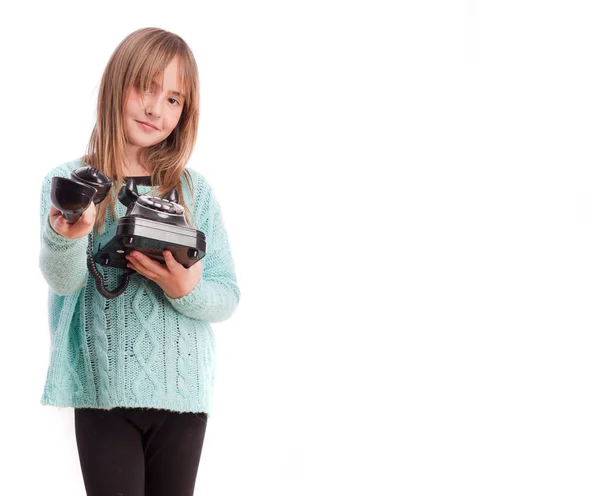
[[411, 195]]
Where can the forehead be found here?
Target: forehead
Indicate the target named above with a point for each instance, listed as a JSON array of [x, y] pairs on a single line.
[[171, 79]]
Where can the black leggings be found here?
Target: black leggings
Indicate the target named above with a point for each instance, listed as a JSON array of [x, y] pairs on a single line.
[[139, 452]]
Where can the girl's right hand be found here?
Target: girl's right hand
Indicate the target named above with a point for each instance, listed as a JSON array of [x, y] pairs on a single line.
[[79, 229]]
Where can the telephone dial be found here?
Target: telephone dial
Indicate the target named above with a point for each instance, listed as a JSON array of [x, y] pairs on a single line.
[[150, 225]]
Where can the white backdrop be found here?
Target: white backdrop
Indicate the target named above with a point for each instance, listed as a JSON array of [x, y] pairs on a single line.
[[411, 195]]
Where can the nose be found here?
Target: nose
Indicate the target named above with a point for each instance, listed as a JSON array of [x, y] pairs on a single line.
[[153, 106]]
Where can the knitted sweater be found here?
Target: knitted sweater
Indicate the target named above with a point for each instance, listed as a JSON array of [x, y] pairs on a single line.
[[142, 348]]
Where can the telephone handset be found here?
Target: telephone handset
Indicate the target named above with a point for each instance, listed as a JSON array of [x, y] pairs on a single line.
[[73, 196]]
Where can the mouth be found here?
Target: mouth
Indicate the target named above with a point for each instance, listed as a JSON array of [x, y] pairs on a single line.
[[147, 126]]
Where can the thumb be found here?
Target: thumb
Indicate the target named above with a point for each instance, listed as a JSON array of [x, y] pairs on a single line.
[[172, 264], [90, 213]]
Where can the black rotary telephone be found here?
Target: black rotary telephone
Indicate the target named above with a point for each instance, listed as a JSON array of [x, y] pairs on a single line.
[[150, 225]]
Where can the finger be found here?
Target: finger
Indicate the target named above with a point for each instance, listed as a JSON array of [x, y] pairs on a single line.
[[172, 264], [55, 214], [140, 269], [59, 224], [148, 263], [54, 211], [62, 227], [79, 228], [89, 215]]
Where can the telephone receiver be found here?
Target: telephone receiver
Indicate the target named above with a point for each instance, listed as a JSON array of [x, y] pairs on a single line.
[[73, 196]]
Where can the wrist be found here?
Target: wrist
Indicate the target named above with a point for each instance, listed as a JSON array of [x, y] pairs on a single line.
[[181, 293], [176, 294]]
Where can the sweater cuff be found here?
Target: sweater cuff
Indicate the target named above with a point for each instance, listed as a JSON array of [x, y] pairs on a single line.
[[191, 301]]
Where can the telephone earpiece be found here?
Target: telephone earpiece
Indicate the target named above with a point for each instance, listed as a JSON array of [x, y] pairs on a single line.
[[73, 196]]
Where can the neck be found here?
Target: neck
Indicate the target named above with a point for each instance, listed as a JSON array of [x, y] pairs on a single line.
[[136, 172], [132, 166]]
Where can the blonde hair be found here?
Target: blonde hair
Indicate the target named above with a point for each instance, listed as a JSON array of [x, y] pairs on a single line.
[[136, 61]]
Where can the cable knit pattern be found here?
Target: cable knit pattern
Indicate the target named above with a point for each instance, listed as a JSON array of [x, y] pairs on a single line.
[[143, 348]]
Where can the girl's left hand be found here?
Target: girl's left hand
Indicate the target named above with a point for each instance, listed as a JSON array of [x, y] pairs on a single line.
[[174, 279]]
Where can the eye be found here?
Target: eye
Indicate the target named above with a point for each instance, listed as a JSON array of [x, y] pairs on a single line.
[[176, 101], [150, 89]]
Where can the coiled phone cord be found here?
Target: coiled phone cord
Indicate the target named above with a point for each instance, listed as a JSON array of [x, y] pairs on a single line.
[[98, 277]]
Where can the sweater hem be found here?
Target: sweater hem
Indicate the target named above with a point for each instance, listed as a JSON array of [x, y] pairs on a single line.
[[179, 408]]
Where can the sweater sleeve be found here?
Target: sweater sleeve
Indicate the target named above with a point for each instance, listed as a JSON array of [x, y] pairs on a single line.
[[216, 295], [62, 261]]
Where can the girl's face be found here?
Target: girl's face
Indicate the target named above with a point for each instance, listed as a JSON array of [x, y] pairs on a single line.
[[160, 108]]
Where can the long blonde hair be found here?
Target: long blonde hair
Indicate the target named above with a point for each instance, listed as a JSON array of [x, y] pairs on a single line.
[[136, 61]]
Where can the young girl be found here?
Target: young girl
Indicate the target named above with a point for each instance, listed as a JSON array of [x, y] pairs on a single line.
[[139, 368]]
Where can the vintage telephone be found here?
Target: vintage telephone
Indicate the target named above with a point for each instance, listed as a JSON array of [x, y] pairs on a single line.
[[150, 225]]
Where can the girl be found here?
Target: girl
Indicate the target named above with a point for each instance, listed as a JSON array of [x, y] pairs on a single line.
[[138, 369]]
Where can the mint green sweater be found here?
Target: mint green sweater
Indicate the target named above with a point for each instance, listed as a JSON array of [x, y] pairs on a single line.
[[143, 348]]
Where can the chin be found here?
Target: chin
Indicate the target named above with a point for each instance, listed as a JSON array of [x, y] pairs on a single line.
[[142, 140]]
